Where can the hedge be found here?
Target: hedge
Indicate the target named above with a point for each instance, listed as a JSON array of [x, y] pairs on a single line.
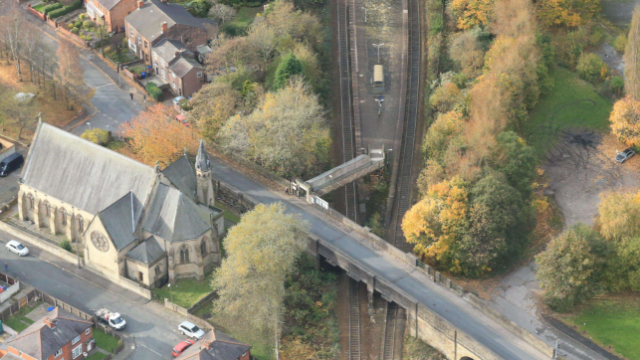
[[51, 7], [77, 4], [154, 91]]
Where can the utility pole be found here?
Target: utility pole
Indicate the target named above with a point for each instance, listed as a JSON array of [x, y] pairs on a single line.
[[378, 46]]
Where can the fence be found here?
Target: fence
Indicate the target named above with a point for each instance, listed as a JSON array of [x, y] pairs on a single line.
[[205, 326], [6, 294]]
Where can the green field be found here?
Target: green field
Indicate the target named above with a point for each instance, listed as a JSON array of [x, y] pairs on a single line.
[[185, 292], [573, 103], [612, 322]]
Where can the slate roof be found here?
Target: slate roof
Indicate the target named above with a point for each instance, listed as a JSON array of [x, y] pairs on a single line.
[[182, 176], [172, 216], [120, 219], [40, 341], [166, 49], [182, 65], [147, 252], [109, 4], [80, 173], [202, 159], [223, 347], [148, 19]]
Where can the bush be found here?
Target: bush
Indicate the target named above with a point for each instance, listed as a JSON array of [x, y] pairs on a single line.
[[78, 23], [154, 91], [87, 24], [65, 244], [200, 8], [620, 43], [97, 136], [75, 30], [49, 8], [592, 68], [81, 16], [617, 85], [77, 4]]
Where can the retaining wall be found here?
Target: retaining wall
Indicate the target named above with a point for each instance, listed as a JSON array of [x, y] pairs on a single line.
[[40, 243]]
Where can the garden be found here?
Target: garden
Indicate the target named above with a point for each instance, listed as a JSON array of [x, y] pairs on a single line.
[[86, 29]]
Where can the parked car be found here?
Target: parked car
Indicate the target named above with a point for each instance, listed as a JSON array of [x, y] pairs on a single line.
[[17, 248], [190, 330], [11, 163], [181, 347], [113, 319], [625, 155]]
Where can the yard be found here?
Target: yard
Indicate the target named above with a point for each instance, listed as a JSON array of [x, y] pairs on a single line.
[[105, 341], [611, 322], [19, 320], [185, 292]]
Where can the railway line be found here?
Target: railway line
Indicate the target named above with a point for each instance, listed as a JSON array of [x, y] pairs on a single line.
[[355, 350]]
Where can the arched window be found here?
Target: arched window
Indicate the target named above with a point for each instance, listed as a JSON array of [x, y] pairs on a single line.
[[63, 216], [80, 224], [203, 246], [184, 255], [47, 208], [30, 200], [158, 269]]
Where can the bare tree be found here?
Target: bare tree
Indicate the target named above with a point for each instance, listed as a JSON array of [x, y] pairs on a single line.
[[263, 38], [32, 42], [222, 13], [19, 110], [11, 27], [69, 72]]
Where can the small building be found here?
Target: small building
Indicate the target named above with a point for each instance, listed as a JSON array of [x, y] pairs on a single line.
[[216, 345], [58, 335], [110, 13], [155, 20], [176, 65]]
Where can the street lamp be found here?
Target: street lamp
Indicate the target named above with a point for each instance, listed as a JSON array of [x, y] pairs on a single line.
[[365, 14], [171, 294], [378, 46]]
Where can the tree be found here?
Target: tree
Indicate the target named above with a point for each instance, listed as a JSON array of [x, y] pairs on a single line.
[[632, 57], [261, 252], [155, 135], [97, 136], [289, 66], [472, 13], [445, 97], [212, 106], [20, 111], [200, 8], [625, 120], [619, 215], [222, 13], [570, 13], [11, 34], [568, 269], [263, 38], [592, 68], [230, 52], [466, 50], [286, 133], [516, 160], [69, 74], [440, 133]]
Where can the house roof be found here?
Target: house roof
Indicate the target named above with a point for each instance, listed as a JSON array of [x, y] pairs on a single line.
[[182, 65], [147, 252], [40, 341], [182, 176], [10, 356], [109, 4], [223, 347], [173, 216], [120, 220], [167, 48], [148, 19], [85, 175]]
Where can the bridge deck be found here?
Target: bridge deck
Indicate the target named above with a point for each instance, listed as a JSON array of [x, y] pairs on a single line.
[[345, 173]]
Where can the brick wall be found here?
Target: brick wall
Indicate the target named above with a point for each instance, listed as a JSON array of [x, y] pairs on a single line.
[[115, 17], [190, 36], [191, 83], [67, 350]]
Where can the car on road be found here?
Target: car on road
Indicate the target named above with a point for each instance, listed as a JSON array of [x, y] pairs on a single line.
[[181, 347], [113, 319], [190, 330], [17, 248], [11, 163], [625, 155]]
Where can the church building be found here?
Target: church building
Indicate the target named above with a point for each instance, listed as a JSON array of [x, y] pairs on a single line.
[[129, 220]]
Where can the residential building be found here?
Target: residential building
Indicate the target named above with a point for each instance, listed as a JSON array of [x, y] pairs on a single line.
[[216, 345], [176, 65], [131, 221], [110, 13], [155, 20], [58, 335]]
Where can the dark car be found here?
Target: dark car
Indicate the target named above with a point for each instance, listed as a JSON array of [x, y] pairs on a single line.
[[11, 163], [625, 155], [181, 347]]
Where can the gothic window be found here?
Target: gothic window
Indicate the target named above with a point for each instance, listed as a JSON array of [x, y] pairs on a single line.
[[203, 246], [47, 208], [63, 216], [184, 255], [80, 224], [30, 200]]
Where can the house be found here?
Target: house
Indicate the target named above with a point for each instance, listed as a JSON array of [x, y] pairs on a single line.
[[58, 335], [177, 66], [216, 345], [110, 13], [155, 20], [131, 221]]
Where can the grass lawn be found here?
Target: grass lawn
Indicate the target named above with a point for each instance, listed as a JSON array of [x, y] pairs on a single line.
[[185, 292], [97, 356], [573, 103], [105, 341], [614, 322], [16, 321], [228, 214], [242, 21], [39, 7]]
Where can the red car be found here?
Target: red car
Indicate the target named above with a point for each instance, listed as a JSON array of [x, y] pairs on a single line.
[[181, 347]]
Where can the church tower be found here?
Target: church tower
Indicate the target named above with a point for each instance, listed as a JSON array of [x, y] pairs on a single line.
[[203, 174]]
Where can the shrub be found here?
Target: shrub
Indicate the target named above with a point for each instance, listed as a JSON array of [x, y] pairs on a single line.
[[87, 24], [47, 9], [77, 4], [81, 16], [154, 91], [75, 30], [617, 85], [78, 23], [592, 68], [200, 8], [65, 244], [620, 43], [97, 136]]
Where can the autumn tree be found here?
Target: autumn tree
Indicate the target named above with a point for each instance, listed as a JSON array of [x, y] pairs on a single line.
[[438, 139], [261, 252], [570, 13], [445, 97], [569, 268], [516, 161], [625, 120], [11, 26], [20, 111], [69, 74], [592, 68], [465, 50], [472, 13], [632, 57], [230, 52], [264, 40], [222, 13], [155, 135], [286, 133], [212, 106], [97, 136]]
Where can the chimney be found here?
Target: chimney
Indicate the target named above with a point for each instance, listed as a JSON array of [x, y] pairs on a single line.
[[164, 27], [176, 53], [140, 4], [50, 323], [205, 344]]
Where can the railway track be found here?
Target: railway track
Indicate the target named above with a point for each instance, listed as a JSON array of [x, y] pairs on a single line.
[[388, 346], [346, 104], [403, 183], [354, 321]]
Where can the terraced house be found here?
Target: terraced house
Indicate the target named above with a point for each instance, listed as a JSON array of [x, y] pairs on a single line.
[[110, 13], [177, 67]]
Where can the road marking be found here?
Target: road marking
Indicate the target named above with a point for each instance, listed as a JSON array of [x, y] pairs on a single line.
[[153, 351]]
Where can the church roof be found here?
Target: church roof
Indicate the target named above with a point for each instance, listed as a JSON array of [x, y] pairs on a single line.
[[202, 159], [147, 252], [120, 220], [174, 217], [83, 174], [182, 176]]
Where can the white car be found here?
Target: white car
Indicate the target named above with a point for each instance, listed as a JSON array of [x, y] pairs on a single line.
[[190, 330], [17, 248]]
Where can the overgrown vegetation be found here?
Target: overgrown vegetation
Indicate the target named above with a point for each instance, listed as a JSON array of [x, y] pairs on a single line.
[[416, 349]]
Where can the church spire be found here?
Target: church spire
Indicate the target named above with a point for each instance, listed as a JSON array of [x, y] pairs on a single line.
[[202, 160]]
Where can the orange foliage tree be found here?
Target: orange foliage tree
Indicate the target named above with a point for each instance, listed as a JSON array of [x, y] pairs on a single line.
[[625, 120], [472, 13], [155, 135], [569, 13]]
